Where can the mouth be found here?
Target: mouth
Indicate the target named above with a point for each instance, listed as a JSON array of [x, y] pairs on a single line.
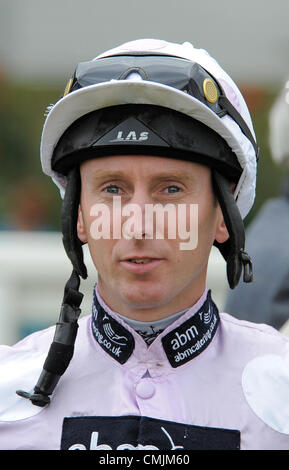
[[140, 260], [137, 264]]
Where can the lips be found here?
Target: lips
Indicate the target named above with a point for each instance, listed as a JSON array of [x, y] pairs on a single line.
[[139, 260], [139, 257], [140, 264]]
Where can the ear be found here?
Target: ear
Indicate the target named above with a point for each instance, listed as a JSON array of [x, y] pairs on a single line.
[[222, 233], [81, 230]]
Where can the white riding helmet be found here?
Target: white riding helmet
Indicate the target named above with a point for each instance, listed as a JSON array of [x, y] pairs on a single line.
[[135, 89]]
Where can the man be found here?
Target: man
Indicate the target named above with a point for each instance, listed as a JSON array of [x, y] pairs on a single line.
[[158, 125], [267, 239]]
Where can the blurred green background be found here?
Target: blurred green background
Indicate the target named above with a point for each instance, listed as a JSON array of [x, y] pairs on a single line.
[[22, 109]]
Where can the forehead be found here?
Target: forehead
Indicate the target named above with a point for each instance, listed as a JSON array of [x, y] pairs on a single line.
[[145, 165]]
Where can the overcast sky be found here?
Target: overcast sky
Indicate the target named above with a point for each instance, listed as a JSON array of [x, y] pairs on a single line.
[[45, 39]]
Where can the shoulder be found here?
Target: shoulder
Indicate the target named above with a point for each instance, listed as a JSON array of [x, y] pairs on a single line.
[[265, 369], [20, 368], [37, 342], [262, 335]]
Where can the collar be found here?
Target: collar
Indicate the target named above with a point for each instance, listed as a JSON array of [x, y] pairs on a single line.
[[150, 330], [179, 343]]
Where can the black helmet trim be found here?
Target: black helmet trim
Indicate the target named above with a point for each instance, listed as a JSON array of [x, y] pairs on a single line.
[[147, 130]]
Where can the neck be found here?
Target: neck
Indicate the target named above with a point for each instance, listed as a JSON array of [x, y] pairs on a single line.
[[151, 307], [145, 319]]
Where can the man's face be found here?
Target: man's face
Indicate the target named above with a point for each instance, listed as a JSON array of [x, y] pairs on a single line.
[[140, 276]]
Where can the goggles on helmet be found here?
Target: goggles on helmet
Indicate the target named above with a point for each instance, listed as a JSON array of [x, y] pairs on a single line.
[[182, 74]]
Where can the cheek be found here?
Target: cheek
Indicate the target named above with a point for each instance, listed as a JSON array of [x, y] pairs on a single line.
[[101, 254], [199, 223], [97, 232], [201, 238], [97, 220]]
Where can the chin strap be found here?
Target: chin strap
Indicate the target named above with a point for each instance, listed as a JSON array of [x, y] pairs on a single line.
[[233, 250], [62, 347], [69, 216]]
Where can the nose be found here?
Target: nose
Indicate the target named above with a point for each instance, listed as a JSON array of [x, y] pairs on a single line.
[[135, 224]]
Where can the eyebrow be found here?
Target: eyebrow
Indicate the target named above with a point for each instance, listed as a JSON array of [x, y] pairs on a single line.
[[164, 175], [100, 174]]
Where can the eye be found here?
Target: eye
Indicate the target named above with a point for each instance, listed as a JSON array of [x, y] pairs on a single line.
[[112, 189], [172, 189]]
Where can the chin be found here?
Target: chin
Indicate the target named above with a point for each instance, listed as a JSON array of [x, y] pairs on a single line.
[[145, 295]]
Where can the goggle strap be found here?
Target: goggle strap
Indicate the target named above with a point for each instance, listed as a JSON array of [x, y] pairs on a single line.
[[231, 110], [233, 249]]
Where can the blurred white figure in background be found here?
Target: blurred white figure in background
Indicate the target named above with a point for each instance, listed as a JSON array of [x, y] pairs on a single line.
[[266, 300]]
